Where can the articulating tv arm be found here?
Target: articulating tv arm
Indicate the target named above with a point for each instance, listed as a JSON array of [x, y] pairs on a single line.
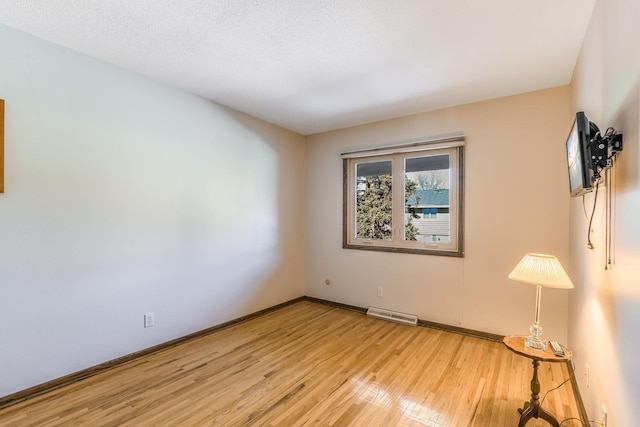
[[603, 149]]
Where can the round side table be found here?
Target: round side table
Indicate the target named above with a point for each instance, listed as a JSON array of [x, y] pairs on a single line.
[[532, 409]]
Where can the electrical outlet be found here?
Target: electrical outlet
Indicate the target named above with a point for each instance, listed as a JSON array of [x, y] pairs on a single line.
[[380, 291], [586, 374], [148, 320], [604, 416]]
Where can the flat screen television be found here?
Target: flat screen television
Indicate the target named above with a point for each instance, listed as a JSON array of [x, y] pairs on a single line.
[[578, 156]]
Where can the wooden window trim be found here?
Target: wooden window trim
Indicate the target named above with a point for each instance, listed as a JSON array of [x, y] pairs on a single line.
[[458, 252]]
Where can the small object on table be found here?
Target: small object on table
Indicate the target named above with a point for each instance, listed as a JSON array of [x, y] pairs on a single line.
[[532, 409], [557, 350]]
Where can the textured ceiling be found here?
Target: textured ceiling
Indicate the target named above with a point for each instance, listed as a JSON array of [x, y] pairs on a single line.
[[316, 65]]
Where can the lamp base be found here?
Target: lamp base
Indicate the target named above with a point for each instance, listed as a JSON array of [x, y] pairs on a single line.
[[536, 343], [535, 340]]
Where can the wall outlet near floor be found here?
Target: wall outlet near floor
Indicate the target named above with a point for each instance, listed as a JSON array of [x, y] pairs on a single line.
[[149, 320], [604, 416], [586, 374], [380, 293]]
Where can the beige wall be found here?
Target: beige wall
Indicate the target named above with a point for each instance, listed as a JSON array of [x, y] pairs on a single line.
[[605, 305], [516, 202]]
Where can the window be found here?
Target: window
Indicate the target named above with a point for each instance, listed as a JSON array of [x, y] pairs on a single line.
[[405, 198]]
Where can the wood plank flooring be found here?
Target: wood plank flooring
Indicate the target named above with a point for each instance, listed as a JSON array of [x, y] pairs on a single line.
[[309, 364]]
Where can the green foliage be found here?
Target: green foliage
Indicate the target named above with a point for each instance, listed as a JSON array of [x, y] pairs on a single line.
[[410, 230], [374, 207]]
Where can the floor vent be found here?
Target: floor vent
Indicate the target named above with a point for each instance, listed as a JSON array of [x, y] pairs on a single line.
[[394, 316]]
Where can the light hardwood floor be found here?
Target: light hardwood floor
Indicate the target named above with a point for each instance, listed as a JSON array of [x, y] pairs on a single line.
[[309, 364]]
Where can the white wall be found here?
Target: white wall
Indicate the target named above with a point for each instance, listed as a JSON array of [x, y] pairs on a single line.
[[605, 305], [124, 196], [516, 202]]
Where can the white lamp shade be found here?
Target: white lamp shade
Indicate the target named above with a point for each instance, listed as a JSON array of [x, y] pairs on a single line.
[[543, 270]]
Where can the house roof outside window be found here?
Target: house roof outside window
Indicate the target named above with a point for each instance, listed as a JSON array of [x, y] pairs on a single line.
[[430, 198]]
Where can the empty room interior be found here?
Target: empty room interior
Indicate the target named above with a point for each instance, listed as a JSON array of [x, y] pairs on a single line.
[[320, 213]]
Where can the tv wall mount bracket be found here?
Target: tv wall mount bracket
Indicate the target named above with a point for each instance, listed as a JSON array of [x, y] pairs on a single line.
[[603, 148]]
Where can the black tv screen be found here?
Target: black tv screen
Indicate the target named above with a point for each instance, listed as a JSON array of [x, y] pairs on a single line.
[[578, 157]]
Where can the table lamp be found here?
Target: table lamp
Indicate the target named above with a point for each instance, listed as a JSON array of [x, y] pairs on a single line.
[[540, 270]]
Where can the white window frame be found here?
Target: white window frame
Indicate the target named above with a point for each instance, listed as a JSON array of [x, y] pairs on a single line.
[[451, 145]]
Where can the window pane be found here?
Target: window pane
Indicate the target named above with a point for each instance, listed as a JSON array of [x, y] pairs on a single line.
[[427, 199], [373, 200]]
